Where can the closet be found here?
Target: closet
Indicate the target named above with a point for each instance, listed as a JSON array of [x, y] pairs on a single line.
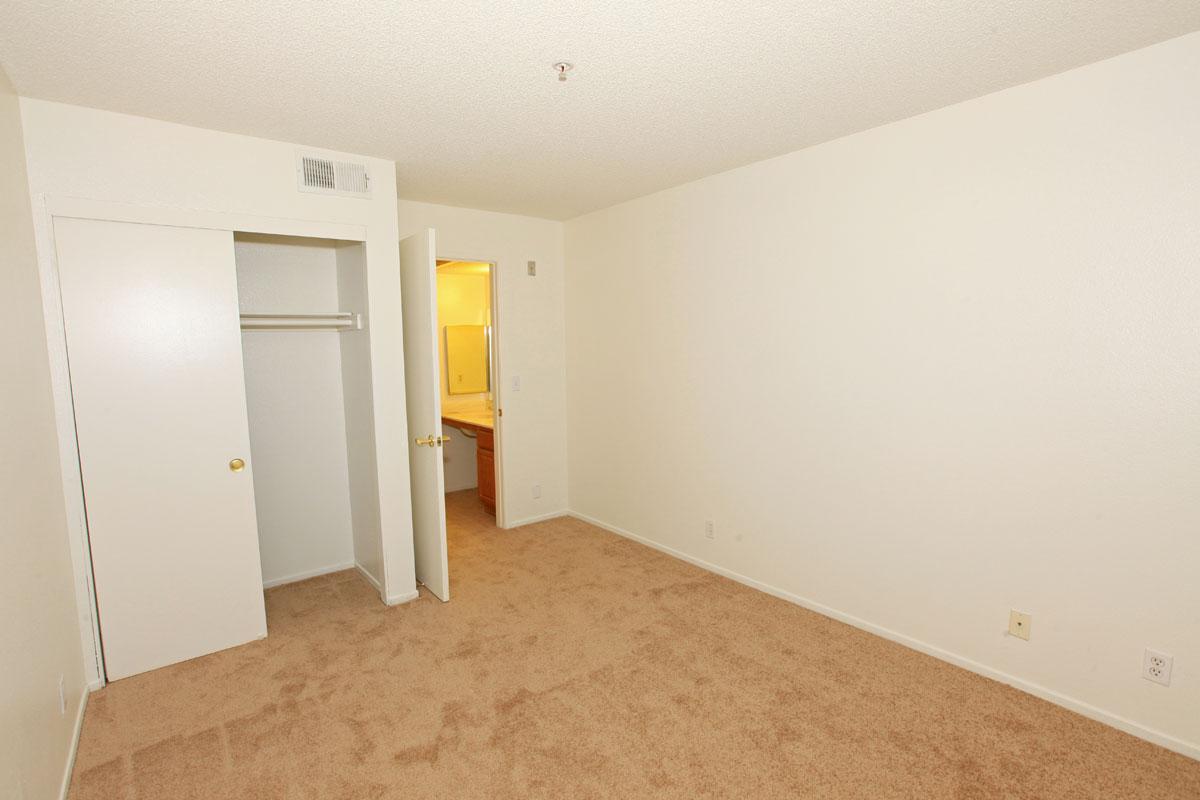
[[221, 390], [307, 373]]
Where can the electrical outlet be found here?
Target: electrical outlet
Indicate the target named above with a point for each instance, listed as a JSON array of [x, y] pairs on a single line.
[[1019, 624], [710, 530], [537, 491], [1156, 667], [531, 267], [62, 696]]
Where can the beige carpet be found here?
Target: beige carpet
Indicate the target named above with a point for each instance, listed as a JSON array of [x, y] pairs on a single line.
[[574, 664]]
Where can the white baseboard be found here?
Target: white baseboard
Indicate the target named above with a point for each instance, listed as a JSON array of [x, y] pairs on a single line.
[[312, 573], [369, 577], [66, 781], [400, 599], [395, 600], [1189, 749], [539, 518], [391, 601]]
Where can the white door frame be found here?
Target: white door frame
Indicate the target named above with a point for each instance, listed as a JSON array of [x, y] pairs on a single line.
[[494, 377], [47, 209]]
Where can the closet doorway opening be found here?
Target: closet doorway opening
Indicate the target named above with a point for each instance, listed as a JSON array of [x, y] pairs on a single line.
[[468, 378], [306, 356]]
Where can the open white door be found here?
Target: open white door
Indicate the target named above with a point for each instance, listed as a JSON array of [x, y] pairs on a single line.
[[155, 353], [422, 378]]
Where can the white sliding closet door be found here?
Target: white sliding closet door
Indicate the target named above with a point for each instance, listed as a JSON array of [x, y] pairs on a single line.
[[154, 347]]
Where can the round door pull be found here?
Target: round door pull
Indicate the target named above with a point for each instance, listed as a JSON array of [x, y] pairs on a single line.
[[237, 465]]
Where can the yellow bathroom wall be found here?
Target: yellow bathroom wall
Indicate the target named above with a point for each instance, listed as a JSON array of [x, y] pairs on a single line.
[[464, 298]]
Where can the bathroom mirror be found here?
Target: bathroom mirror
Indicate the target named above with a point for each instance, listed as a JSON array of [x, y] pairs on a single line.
[[467, 359]]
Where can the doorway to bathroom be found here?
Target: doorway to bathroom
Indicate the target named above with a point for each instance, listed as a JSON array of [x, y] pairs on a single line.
[[451, 375], [468, 378]]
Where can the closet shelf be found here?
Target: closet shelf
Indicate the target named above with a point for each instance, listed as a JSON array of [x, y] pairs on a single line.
[[332, 321]]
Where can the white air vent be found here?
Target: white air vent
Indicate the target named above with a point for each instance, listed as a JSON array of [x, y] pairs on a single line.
[[326, 176]]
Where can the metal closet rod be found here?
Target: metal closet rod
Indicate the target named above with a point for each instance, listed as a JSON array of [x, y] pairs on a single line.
[[331, 321]]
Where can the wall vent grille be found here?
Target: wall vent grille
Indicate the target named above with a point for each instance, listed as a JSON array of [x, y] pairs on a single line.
[[326, 176]]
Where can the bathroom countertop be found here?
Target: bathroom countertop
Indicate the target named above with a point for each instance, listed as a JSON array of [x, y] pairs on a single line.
[[474, 418]]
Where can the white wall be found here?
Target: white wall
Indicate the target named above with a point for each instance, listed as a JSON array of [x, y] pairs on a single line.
[[75, 152], [925, 374], [358, 402], [41, 641], [529, 324], [462, 300], [295, 406], [459, 456]]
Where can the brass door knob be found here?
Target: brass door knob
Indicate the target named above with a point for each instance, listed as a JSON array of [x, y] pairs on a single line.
[[237, 465]]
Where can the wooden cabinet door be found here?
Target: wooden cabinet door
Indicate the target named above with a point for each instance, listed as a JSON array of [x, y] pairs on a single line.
[[485, 463]]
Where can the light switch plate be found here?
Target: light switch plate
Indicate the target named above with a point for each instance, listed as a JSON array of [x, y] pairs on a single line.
[[1019, 624]]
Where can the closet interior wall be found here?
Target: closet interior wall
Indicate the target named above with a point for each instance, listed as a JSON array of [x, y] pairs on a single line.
[[308, 397]]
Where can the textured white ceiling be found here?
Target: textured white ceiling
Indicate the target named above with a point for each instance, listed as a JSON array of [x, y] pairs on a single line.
[[462, 95]]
